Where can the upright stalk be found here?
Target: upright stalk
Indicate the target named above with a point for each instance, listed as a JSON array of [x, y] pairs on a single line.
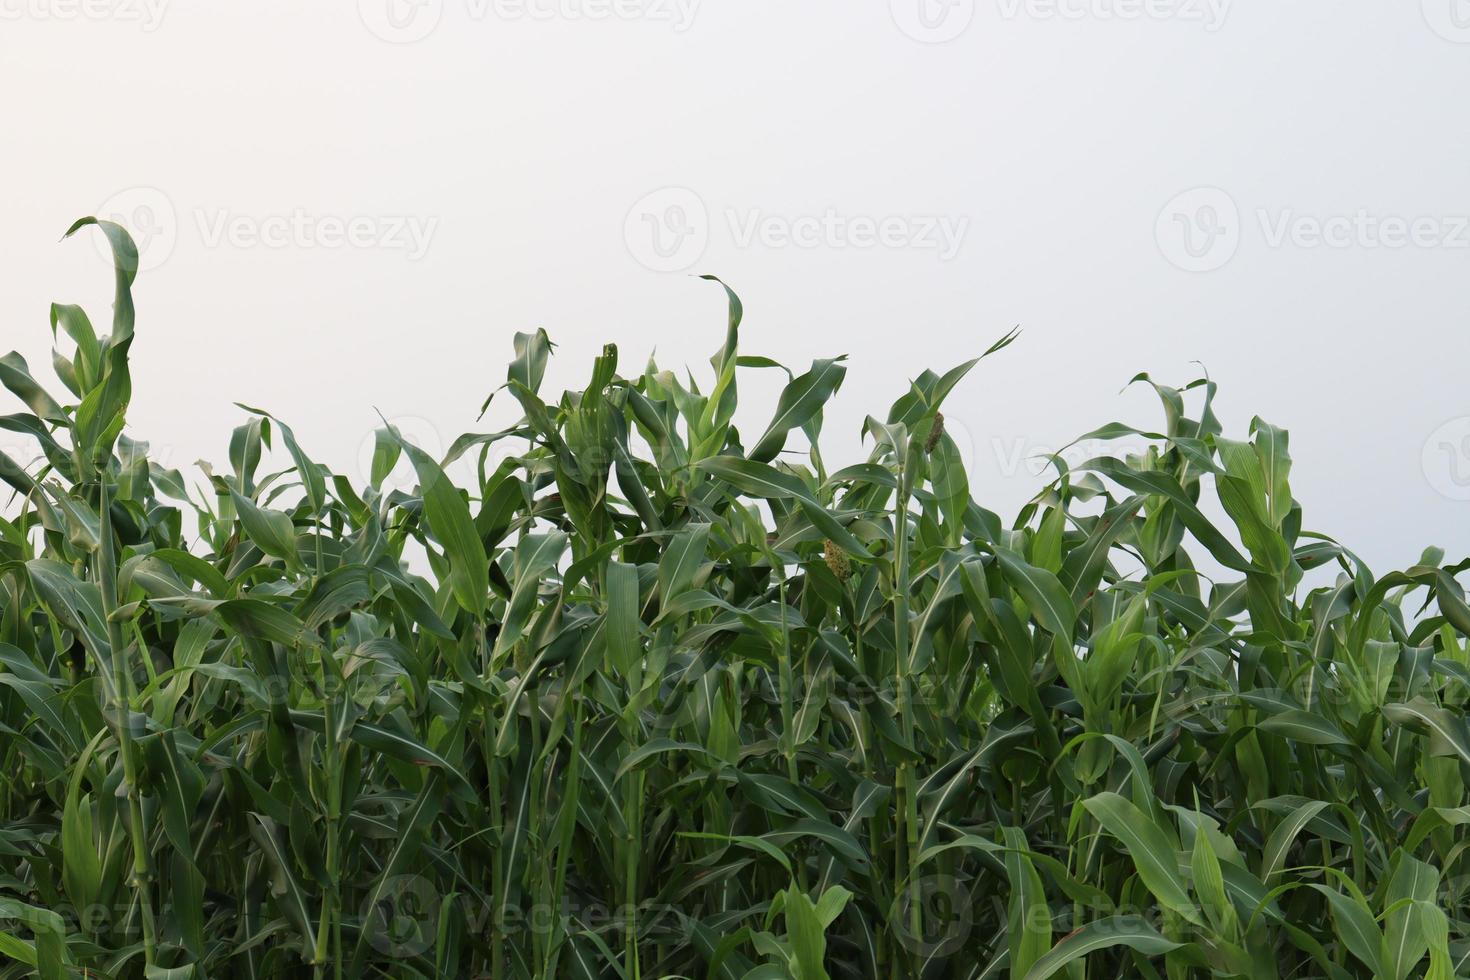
[[906, 843], [566, 824], [329, 936], [122, 698], [632, 819], [497, 818], [787, 680], [788, 707]]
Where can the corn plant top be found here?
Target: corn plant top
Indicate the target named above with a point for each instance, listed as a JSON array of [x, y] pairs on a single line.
[[657, 698]]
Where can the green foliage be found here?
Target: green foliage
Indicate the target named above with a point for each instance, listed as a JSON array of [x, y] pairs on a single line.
[[640, 702]]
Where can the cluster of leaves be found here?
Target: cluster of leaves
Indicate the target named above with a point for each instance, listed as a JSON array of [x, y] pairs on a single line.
[[645, 702]]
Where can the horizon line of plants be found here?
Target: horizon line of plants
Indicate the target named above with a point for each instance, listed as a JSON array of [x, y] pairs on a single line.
[[672, 700]]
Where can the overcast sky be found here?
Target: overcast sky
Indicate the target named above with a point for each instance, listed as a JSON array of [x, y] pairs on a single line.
[[351, 207]]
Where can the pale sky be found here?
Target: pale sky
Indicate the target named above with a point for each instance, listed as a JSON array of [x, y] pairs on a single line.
[[351, 207]]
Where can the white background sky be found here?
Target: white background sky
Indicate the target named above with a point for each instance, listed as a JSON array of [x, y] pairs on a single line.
[[1320, 150]]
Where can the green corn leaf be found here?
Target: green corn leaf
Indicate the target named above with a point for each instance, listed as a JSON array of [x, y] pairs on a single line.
[[1408, 907], [1449, 730], [1028, 926], [272, 530], [1274, 857], [806, 932], [624, 642], [799, 403], [15, 375], [1044, 595], [1153, 854], [1304, 727], [1355, 926], [1102, 934], [287, 889], [81, 863], [449, 519], [535, 556]]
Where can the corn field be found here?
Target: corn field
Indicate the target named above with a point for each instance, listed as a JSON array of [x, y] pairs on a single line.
[[657, 698]]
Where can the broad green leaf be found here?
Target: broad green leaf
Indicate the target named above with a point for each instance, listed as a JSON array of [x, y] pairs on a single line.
[[448, 514], [1028, 924], [1044, 595], [1127, 931], [1153, 854], [802, 399], [272, 530], [1355, 925]]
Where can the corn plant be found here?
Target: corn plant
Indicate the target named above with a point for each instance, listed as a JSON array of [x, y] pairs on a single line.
[[654, 697]]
